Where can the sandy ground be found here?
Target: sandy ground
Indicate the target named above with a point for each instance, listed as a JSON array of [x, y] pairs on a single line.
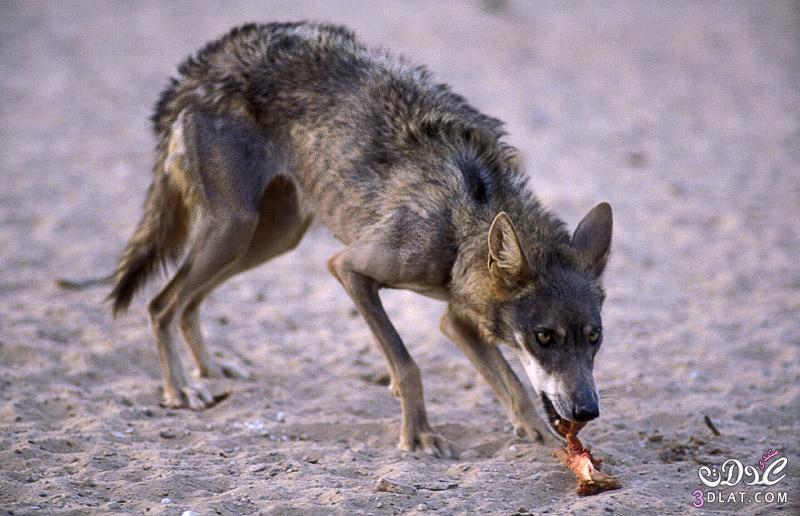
[[685, 116]]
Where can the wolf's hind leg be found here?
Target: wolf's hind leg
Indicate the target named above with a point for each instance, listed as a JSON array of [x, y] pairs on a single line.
[[280, 227], [207, 366], [218, 246], [223, 165]]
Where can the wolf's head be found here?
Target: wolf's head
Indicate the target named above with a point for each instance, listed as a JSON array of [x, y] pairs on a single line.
[[547, 307]]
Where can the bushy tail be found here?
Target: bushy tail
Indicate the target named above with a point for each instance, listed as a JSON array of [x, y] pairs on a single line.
[[160, 237]]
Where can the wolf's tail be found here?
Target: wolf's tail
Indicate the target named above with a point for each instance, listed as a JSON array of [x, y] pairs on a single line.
[[164, 228], [159, 237]]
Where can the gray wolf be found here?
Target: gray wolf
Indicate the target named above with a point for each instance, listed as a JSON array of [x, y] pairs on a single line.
[[275, 125]]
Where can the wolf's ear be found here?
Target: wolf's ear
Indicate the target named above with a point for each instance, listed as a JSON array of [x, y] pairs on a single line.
[[592, 237], [507, 260]]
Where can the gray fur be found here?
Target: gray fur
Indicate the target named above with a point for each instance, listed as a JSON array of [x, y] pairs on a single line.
[[273, 125]]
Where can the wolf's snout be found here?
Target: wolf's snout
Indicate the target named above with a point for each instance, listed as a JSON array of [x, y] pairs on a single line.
[[585, 405], [585, 412]]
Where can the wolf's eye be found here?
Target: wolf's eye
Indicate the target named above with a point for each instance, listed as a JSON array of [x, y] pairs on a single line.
[[594, 336], [544, 338]]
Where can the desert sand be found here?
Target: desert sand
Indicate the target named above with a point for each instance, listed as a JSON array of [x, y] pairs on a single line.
[[684, 116]]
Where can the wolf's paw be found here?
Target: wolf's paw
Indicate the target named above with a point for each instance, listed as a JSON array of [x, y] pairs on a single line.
[[194, 397], [431, 443], [222, 369]]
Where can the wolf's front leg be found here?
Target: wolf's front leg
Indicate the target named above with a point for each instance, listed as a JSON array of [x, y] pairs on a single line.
[[352, 268], [491, 364]]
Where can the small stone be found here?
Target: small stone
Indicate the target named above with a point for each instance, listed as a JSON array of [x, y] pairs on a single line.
[[166, 501], [188, 513], [167, 434], [389, 485], [280, 417], [255, 468]]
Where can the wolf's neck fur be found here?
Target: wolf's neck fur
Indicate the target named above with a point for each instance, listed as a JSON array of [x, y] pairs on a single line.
[[543, 237]]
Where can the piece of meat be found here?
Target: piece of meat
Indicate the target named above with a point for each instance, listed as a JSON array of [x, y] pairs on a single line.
[[580, 461]]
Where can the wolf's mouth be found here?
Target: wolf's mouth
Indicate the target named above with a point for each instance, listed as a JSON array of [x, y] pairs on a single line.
[[557, 422]]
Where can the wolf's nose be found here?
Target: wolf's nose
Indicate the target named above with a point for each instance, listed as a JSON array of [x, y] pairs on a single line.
[[585, 412]]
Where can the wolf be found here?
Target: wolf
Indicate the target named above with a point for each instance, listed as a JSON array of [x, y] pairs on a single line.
[[276, 125]]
